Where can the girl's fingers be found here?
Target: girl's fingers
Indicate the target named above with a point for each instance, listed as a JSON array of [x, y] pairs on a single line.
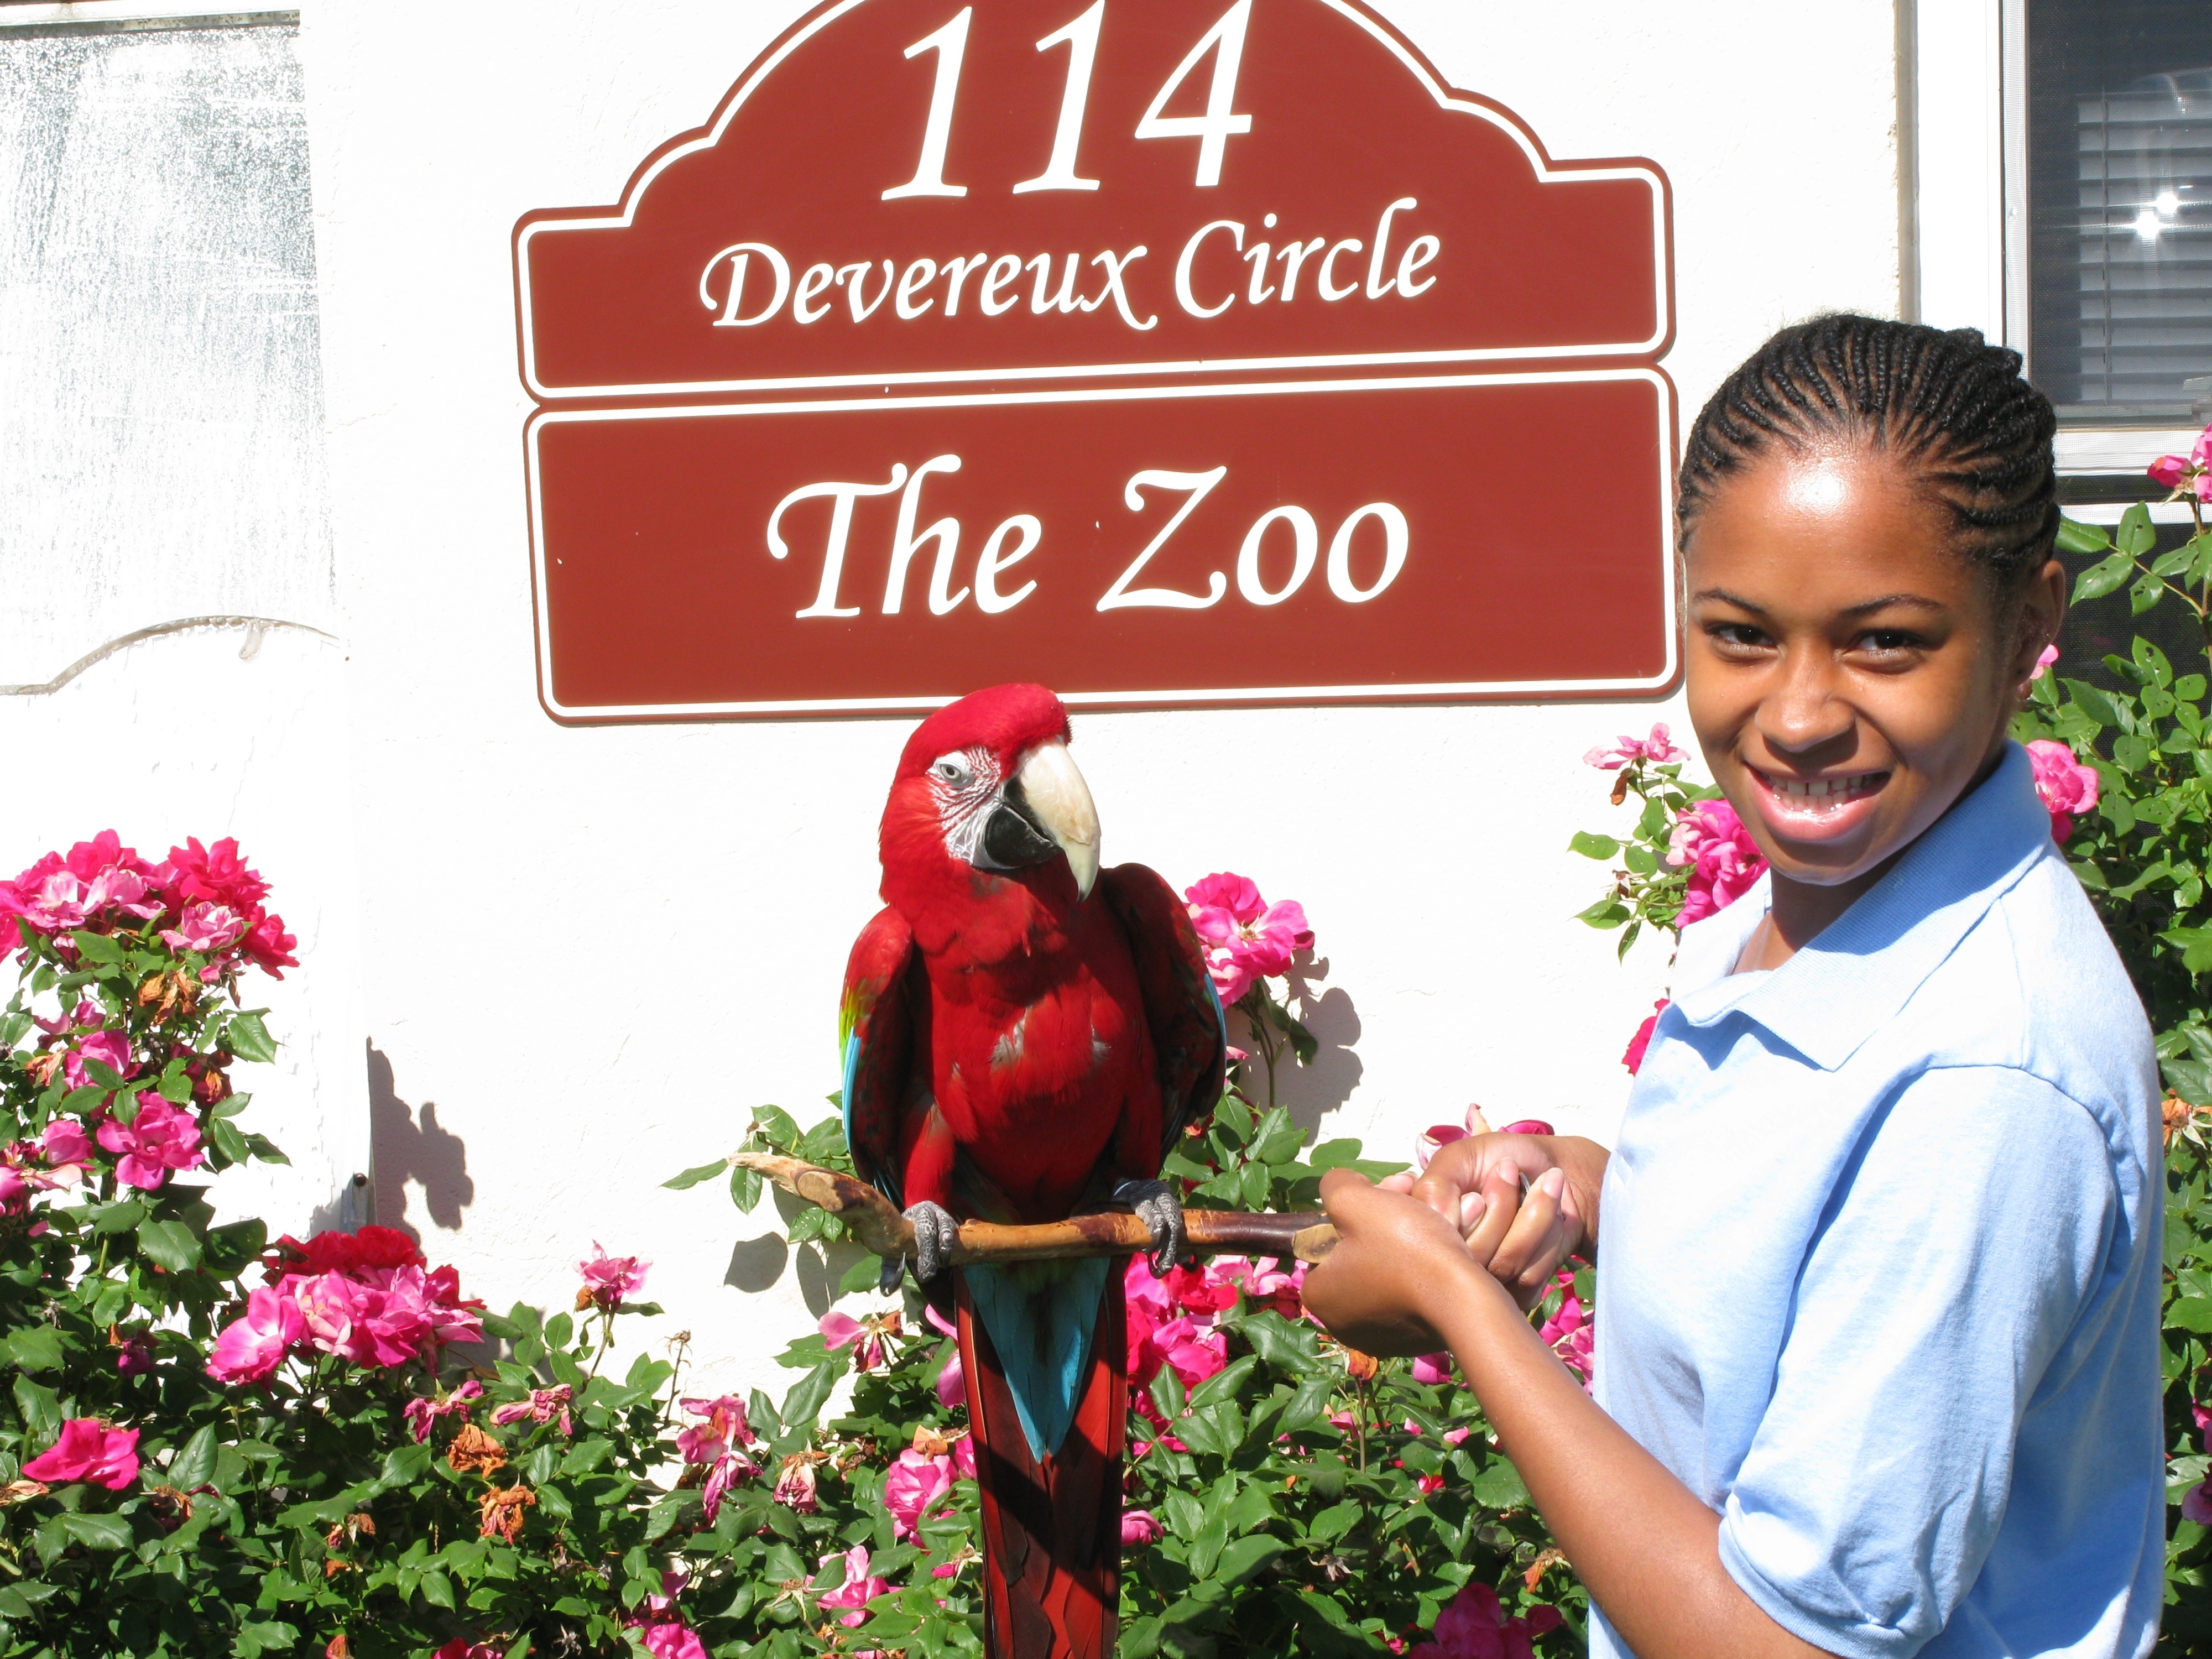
[[1501, 1198], [1401, 1182], [1530, 1249]]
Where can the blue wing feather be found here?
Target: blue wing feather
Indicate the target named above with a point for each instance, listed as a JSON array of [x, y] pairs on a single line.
[[1042, 1317]]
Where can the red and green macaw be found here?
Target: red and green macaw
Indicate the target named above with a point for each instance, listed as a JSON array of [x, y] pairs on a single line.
[[1024, 1035]]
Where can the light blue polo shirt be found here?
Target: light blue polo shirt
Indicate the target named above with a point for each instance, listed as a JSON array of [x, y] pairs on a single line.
[[1879, 1265]]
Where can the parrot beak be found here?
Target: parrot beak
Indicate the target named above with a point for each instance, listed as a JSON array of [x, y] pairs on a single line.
[[1048, 803]]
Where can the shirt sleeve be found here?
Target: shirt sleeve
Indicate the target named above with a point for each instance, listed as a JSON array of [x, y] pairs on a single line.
[[1955, 1260]]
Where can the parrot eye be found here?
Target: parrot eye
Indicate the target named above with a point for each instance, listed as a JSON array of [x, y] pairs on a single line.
[[952, 769]]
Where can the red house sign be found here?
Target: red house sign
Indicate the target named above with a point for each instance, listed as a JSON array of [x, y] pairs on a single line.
[[1167, 353]]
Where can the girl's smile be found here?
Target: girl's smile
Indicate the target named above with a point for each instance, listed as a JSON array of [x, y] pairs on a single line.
[[1816, 808]]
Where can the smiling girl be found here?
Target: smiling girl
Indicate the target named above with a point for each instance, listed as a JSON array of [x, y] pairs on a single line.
[[1878, 1368]]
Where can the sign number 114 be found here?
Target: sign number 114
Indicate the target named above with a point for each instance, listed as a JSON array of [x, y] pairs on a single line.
[[1213, 130]]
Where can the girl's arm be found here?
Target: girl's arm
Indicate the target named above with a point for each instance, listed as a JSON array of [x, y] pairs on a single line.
[[1399, 1278]]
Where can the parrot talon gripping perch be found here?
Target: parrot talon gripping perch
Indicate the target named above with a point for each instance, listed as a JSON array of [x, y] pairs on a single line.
[[1160, 1209], [935, 1233], [878, 1227]]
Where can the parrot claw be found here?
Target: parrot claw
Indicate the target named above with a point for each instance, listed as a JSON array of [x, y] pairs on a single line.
[[935, 1232], [1161, 1211]]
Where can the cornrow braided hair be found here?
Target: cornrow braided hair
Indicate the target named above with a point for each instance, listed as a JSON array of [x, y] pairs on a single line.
[[1951, 405]]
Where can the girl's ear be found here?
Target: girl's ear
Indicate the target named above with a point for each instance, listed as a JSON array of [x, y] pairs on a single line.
[[2042, 609]]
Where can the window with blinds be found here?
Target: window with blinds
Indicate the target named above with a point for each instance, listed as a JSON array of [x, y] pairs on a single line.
[[2119, 202]]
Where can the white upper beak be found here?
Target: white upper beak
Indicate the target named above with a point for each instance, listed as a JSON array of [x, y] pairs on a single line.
[[1061, 800]]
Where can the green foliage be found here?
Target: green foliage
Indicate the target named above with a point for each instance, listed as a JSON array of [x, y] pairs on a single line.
[[1647, 891], [1308, 1500]]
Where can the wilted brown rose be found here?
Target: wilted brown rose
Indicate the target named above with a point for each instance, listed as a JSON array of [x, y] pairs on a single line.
[[1362, 1366], [43, 1068], [475, 1452], [19, 1491], [502, 1508]]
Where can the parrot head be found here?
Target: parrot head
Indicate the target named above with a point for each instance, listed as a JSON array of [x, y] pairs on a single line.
[[986, 785]]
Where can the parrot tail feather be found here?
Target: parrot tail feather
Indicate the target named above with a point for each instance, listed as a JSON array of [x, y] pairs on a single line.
[[1052, 1525]]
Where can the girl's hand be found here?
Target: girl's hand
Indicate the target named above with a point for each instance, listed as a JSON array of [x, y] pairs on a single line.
[[1520, 1237], [1396, 1263]]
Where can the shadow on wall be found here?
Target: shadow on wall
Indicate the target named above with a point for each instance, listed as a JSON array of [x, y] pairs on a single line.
[[1311, 1092], [409, 1145], [757, 1263]]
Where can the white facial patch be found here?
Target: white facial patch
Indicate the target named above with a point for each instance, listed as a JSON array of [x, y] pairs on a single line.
[[963, 784]]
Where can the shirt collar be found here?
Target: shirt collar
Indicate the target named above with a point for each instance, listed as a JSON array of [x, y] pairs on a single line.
[[1827, 999]]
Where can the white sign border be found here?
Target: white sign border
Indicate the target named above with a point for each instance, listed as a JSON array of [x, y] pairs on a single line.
[[1487, 690], [1662, 323]]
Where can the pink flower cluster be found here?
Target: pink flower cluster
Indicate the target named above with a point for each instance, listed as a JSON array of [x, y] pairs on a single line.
[[1657, 749], [89, 1451], [207, 895], [1632, 1056], [2066, 787], [920, 1481], [1474, 1626], [661, 1628], [2196, 1502], [608, 1280], [2194, 473], [1246, 938], [366, 1296], [1710, 842], [1568, 1331], [1173, 1320], [857, 1591], [715, 1444]]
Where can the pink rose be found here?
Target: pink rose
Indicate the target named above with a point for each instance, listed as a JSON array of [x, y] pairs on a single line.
[[794, 1486], [382, 1315], [1139, 1527], [111, 1048], [268, 946], [842, 1331], [661, 1628], [250, 1347], [2173, 473], [1246, 938], [1430, 1369], [206, 928], [66, 1142], [1474, 1626], [544, 1405], [422, 1414], [1568, 1332], [2066, 787], [963, 1458], [1658, 749], [160, 1138], [726, 1474], [1711, 842], [89, 1450], [1632, 1057], [952, 1382], [2045, 663], [215, 873], [724, 1426], [858, 1589], [611, 1279], [914, 1483], [1432, 1139], [2196, 1504]]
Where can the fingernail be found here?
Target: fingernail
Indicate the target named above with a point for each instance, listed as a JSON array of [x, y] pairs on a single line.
[[1509, 1172], [1471, 1208], [1552, 1183]]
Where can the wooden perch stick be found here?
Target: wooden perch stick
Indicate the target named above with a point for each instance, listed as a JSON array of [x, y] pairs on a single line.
[[877, 1226]]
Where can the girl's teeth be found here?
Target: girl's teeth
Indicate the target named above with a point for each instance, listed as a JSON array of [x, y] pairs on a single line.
[[1820, 788]]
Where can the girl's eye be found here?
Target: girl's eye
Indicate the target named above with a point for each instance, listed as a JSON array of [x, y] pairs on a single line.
[[1887, 641], [1741, 636]]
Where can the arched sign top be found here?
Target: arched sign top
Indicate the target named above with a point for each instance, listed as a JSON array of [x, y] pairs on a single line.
[[917, 192]]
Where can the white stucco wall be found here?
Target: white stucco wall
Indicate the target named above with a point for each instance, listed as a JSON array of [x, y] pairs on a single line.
[[583, 955]]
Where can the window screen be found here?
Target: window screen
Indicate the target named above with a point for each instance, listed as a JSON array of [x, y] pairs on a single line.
[[2119, 112], [161, 381]]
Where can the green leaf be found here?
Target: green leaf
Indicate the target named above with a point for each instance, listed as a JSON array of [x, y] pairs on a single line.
[[1606, 913], [2093, 703], [1246, 1556], [1499, 1487], [2104, 577], [35, 1348], [2136, 535], [2074, 536], [2191, 1313], [745, 1188], [194, 1465], [98, 1532], [2146, 593], [693, 1177], [1593, 847], [249, 1039], [805, 1401], [171, 1245], [97, 947]]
